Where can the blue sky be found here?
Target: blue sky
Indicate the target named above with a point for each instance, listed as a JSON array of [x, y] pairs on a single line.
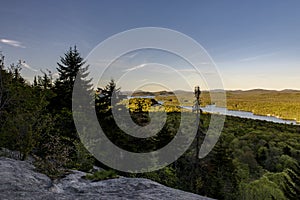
[[255, 44]]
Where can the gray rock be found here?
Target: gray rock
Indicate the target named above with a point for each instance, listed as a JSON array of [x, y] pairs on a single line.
[[18, 180]]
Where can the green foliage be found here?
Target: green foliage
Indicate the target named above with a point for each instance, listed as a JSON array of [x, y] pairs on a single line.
[[252, 160], [104, 96], [37, 119], [22, 112], [262, 189], [292, 183], [245, 155], [166, 176], [71, 66], [283, 104], [55, 156], [102, 175], [82, 159], [141, 104]]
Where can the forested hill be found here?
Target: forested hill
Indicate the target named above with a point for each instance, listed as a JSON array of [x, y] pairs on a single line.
[[284, 104]]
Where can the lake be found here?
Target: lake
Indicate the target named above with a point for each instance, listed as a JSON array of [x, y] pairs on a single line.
[[243, 114], [224, 111]]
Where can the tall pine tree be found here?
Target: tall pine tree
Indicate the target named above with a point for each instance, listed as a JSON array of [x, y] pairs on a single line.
[[71, 65]]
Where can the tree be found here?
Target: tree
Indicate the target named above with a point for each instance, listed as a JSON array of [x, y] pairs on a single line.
[[44, 81], [71, 65], [262, 189], [103, 96], [2, 88], [292, 181], [22, 111]]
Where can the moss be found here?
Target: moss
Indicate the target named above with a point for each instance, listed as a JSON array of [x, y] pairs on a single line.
[[102, 175]]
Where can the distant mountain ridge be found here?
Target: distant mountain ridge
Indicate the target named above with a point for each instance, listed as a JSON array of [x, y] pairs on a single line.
[[166, 93]]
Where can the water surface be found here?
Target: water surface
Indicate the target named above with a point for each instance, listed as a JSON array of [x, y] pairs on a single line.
[[243, 114]]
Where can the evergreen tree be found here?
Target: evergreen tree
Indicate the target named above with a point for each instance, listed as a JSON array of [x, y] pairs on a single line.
[[2, 89], [292, 189], [71, 66], [103, 96], [22, 112]]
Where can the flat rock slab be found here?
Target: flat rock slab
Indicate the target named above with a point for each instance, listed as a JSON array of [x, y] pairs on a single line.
[[18, 180]]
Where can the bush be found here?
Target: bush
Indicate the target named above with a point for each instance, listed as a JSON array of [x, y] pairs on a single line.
[[82, 159], [55, 158]]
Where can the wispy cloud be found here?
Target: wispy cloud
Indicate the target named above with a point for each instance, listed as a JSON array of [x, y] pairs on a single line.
[[135, 67], [13, 43], [257, 57], [28, 67]]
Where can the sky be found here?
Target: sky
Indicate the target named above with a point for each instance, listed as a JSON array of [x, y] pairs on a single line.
[[254, 44]]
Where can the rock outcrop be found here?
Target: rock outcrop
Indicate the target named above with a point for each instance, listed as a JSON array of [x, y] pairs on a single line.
[[19, 180]]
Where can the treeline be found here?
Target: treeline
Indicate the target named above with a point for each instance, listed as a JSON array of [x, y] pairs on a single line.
[[36, 118]]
